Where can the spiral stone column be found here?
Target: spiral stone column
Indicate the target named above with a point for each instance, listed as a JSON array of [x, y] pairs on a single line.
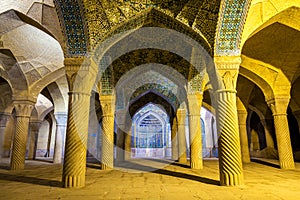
[[242, 117], [61, 122], [108, 110], [279, 109], [34, 133], [81, 74], [230, 162], [195, 103], [174, 138], [23, 113], [181, 115], [4, 117]]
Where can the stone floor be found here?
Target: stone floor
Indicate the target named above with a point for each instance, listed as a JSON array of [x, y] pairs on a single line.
[[150, 179]]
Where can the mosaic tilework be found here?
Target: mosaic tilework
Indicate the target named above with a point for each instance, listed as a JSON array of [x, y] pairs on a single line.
[[207, 19], [143, 56], [104, 16], [154, 99], [195, 81], [72, 24], [233, 15], [158, 89], [152, 77]]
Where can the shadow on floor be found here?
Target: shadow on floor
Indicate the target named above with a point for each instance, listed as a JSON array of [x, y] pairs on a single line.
[[43, 160], [31, 180], [264, 163], [180, 165], [4, 167], [93, 165], [135, 166]]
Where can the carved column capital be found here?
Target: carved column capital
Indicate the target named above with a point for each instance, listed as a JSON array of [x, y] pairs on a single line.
[[81, 73], [35, 125], [107, 104], [242, 117], [228, 70], [61, 119], [279, 105], [23, 108]]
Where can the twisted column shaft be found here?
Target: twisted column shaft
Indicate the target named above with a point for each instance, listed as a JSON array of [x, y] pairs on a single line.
[[81, 76], [285, 152], [229, 141], [23, 112], [76, 140], [181, 115], [195, 102], [174, 138], [230, 162], [242, 117], [108, 108]]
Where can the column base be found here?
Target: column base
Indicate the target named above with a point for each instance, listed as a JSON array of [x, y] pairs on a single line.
[[287, 165], [106, 167], [57, 161], [196, 165], [231, 179], [75, 181], [14, 166], [182, 160]]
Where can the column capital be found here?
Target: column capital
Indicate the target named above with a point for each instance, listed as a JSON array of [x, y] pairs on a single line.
[[227, 62], [107, 104], [279, 105], [228, 70], [242, 117], [81, 73], [61, 118], [35, 125], [23, 107]]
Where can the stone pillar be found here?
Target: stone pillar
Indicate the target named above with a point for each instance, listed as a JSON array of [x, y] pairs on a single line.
[[23, 113], [81, 74], [174, 138], [230, 162], [61, 122], [34, 133], [195, 103], [242, 117], [4, 117], [108, 110], [181, 116], [279, 110]]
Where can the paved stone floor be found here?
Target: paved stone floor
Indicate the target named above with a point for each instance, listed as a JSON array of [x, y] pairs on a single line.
[[149, 179]]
